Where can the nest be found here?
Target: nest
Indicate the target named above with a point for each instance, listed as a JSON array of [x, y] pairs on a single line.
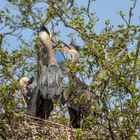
[[33, 128]]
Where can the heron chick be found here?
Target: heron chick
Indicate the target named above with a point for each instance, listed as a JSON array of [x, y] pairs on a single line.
[[27, 85]]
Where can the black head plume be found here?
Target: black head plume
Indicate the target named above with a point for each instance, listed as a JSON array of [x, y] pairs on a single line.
[[43, 28], [31, 80], [72, 44]]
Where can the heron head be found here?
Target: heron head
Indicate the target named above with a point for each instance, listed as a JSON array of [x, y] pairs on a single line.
[[23, 82], [27, 85], [43, 35], [43, 28], [72, 51]]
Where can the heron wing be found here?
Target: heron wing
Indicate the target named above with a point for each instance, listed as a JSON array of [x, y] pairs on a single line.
[[49, 82]]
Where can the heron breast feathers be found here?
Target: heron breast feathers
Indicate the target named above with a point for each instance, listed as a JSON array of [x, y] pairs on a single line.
[[50, 82]]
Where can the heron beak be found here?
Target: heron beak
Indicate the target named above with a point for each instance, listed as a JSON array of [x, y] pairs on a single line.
[[55, 42], [64, 49]]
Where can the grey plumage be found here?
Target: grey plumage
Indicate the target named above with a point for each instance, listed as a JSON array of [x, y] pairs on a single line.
[[80, 110], [32, 84], [49, 86], [50, 82], [80, 99]]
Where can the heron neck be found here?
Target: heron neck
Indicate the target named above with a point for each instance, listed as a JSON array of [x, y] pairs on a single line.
[[75, 57], [51, 56], [50, 52]]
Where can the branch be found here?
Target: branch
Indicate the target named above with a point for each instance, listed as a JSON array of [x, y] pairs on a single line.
[[135, 68], [131, 11]]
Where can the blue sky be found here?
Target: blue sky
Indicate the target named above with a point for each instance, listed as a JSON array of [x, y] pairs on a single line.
[[105, 9], [109, 9]]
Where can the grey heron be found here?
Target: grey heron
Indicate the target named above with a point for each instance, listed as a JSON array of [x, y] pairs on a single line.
[[50, 78], [80, 110], [48, 85]]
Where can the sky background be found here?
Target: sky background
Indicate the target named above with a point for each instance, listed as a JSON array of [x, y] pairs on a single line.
[[104, 9], [109, 9]]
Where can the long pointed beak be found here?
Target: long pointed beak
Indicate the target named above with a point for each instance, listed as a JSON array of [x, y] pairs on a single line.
[[75, 55], [55, 42], [64, 49]]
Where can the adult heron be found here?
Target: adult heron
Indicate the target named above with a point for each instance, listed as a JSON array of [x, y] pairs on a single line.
[[80, 97], [48, 85], [50, 78]]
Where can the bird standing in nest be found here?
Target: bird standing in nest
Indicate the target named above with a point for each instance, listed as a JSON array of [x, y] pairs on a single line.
[[49, 86]]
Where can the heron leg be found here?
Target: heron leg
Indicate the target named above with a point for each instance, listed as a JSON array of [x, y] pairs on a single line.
[[45, 108], [74, 117]]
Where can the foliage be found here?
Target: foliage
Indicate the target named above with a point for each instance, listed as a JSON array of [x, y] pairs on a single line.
[[109, 62]]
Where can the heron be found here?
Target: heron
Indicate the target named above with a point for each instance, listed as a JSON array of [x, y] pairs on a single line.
[[27, 86], [50, 78], [77, 111], [48, 86], [70, 49]]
